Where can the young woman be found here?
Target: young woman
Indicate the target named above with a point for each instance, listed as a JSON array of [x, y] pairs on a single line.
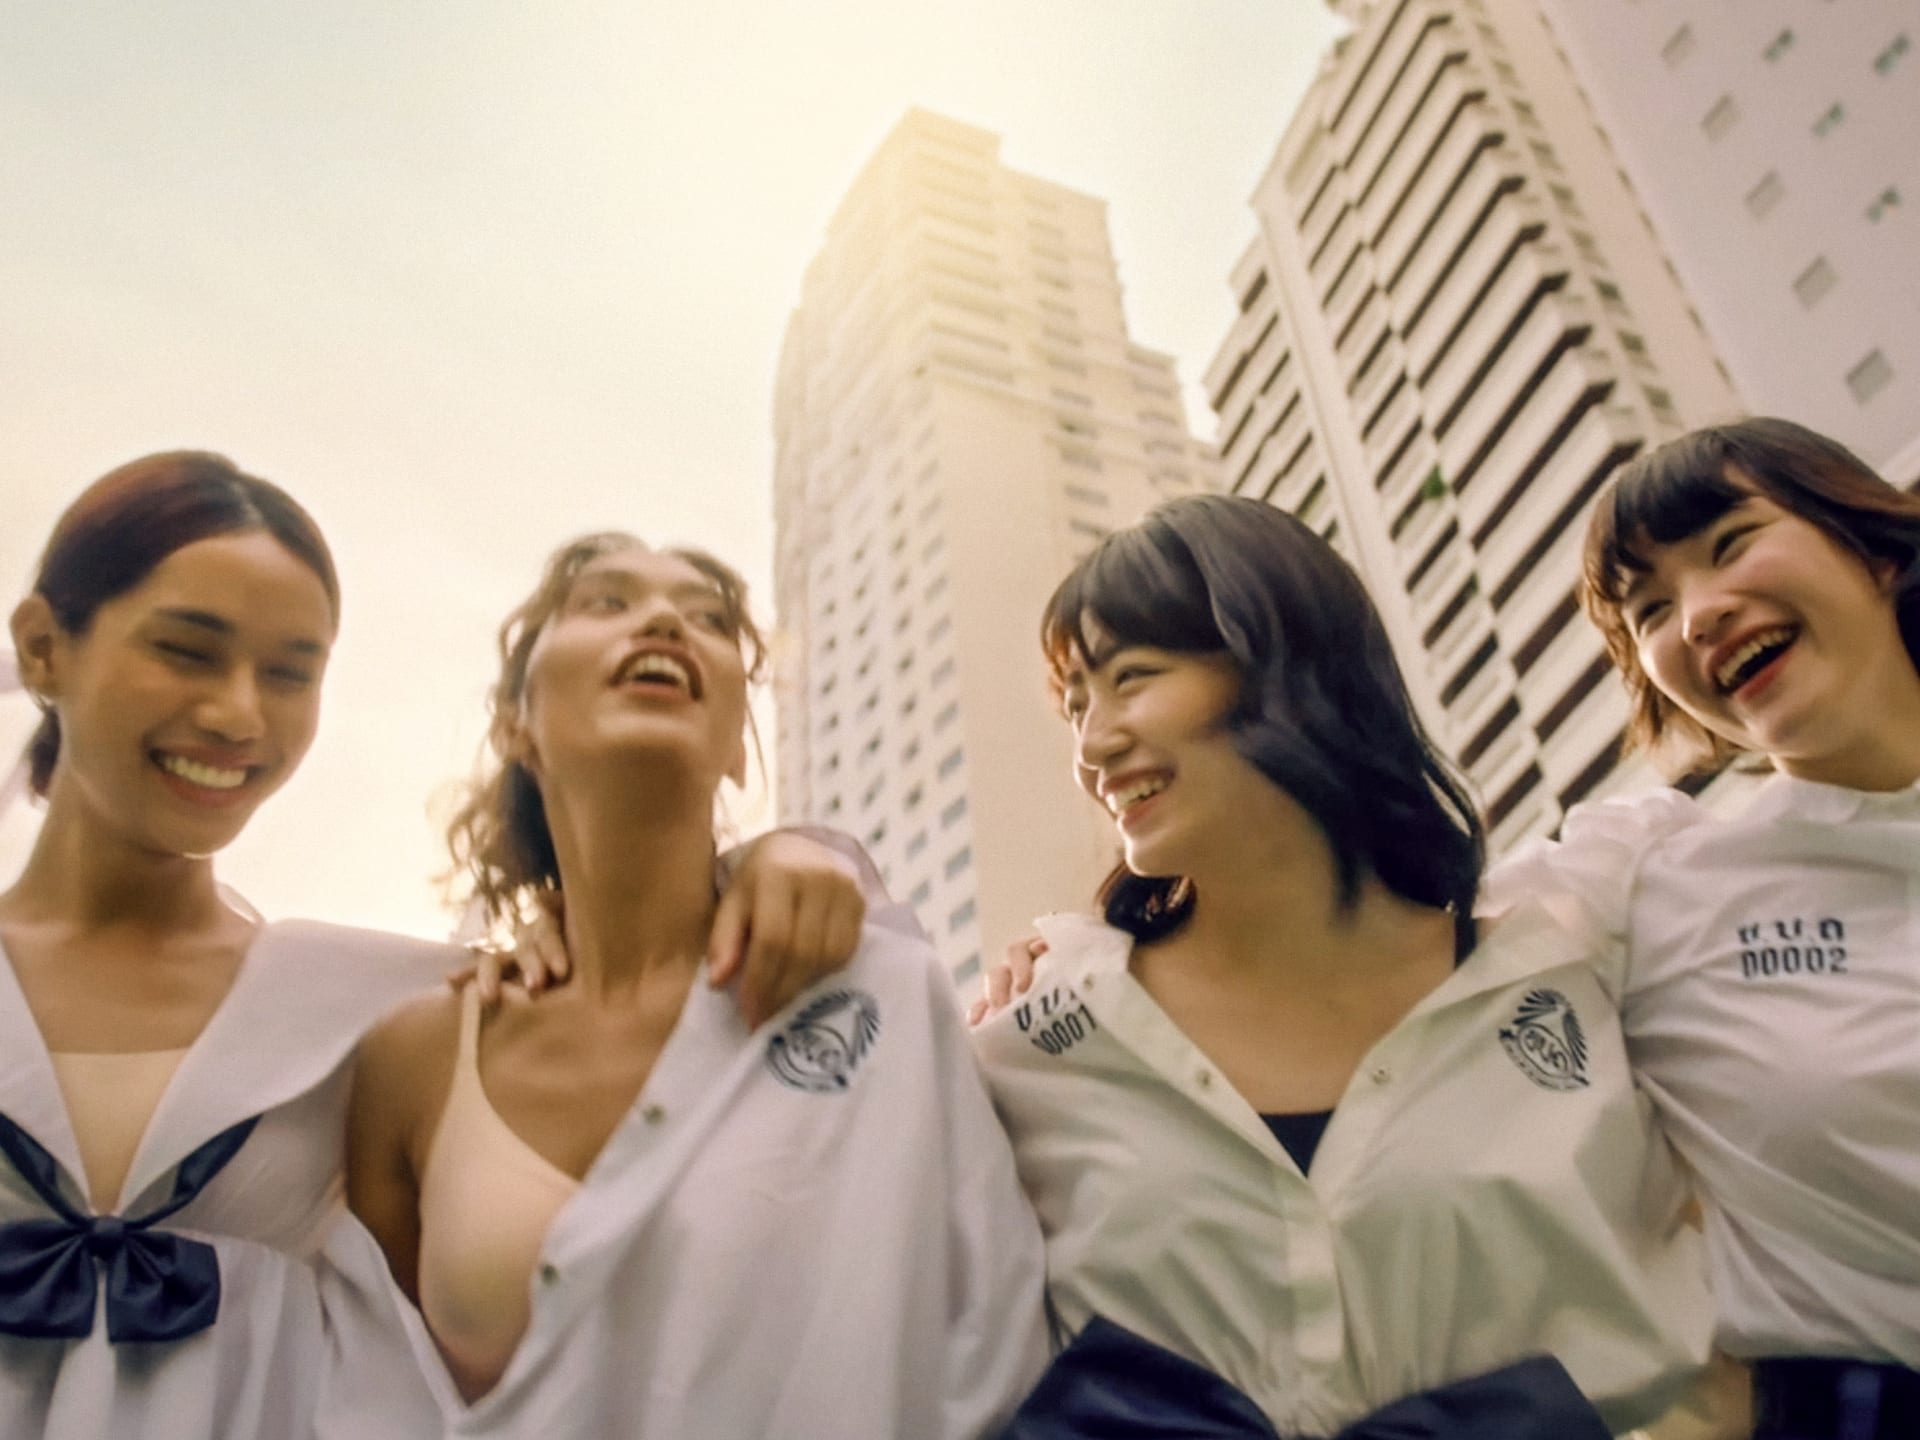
[[618, 1211], [173, 1072], [1304, 1145], [1759, 589]]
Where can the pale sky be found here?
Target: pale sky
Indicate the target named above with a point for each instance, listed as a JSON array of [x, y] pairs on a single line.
[[469, 277]]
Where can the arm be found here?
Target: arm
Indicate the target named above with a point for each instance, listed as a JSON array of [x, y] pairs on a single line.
[[400, 1082]]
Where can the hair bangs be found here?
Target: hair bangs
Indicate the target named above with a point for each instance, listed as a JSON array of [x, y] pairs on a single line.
[[1665, 497], [1140, 586]]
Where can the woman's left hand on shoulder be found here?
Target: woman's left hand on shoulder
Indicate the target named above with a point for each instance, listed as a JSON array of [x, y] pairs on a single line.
[[790, 916]]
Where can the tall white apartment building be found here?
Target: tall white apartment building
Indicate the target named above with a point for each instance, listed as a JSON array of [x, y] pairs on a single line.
[[1454, 326], [960, 415], [1776, 146]]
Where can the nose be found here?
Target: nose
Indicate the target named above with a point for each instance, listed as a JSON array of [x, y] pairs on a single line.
[[1100, 739], [660, 619], [231, 710], [1705, 611]]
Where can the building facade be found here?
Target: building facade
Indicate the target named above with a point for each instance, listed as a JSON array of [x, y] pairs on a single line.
[[1773, 144], [1454, 325], [960, 414]]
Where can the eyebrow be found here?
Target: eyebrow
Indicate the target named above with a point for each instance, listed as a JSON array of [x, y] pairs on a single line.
[[219, 625]]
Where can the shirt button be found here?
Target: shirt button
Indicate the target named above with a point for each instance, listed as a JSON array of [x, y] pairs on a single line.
[[1204, 1078], [1087, 983], [653, 1114], [549, 1274], [1381, 1074]]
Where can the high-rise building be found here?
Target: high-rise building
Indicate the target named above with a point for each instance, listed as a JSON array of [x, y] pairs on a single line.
[[1773, 145], [1455, 325], [960, 415]]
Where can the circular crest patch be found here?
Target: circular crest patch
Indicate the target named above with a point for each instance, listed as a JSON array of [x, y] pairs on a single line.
[[823, 1045], [1545, 1040]]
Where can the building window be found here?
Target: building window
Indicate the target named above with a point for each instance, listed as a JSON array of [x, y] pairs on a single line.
[[1762, 198], [939, 628], [967, 969], [1814, 282], [916, 844], [950, 762], [961, 916], [942, 672], [1679, 46], [913, 798], [1870, 377], [954, 812], [936, 589], [1830, 121], [1724, 115], [947, 716], [922, 893], [876, 835], [1779, 45], [1085, 494], [1890, 57], [959, 861], [1884, 204], [1087, 528]]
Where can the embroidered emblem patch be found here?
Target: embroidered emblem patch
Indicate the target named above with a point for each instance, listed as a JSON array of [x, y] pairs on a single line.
[[824, 1044], [1545, 1040]]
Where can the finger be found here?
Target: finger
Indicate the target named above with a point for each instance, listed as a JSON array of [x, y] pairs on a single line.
[[769, 937], [1020, 957], [486, 978], [728, 941], [999, 987], [977, 1011], [843, 933], [460, 976], [806, 958]]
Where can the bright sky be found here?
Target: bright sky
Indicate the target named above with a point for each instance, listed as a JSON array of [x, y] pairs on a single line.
[[469, 277]]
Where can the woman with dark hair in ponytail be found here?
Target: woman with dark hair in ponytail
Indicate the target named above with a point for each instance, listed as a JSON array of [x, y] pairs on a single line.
[[1312, 1156], [173, 1070]]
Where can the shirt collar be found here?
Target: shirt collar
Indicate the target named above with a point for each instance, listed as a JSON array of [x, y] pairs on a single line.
[[1784, 797]]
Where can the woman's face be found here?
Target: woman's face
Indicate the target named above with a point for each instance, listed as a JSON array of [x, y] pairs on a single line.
[[641, 660], [191, 698], [1150, 744], [1771, 635]]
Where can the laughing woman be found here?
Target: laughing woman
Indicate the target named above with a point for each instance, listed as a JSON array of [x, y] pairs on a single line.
[[618, 1210], [1309, 1152], [1759, 588]]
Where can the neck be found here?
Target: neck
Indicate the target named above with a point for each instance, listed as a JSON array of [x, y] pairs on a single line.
[[638, 880], [83, 874], [1886, 754], [1275, 918]]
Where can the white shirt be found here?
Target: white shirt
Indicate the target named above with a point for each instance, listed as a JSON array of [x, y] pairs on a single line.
[[1770, 964], [278, 1047], [760, 1252], [1490, 1187]]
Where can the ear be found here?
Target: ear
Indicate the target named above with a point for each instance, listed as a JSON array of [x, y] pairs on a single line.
[[1885, 572], [36, 637]]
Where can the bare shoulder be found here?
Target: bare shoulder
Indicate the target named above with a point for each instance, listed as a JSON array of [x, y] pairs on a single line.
[[418, 1038]]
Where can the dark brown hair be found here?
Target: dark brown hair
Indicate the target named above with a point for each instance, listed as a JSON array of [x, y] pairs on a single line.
[[130, 520], [1323, 711], [1680, 489], [503, 851]]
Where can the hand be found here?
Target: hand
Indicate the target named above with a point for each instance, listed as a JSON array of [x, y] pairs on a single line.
[[790, 916], [1010, 977], [538, 959]]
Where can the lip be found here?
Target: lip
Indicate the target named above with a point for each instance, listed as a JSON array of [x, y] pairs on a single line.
[[680, 655], [1120, 784], [203, 796], [1727, 649]]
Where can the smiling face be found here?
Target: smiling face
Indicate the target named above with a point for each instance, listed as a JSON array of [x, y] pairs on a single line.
[[641, 659], [189, 699], [1151, 745], [1773, 636]]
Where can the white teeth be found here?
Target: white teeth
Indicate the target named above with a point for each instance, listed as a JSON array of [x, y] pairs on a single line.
[[208, 777], [1729, 670], [654, 665], [1121, 800]]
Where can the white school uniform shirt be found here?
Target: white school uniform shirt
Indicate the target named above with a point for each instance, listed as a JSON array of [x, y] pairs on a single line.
[[810, 1231], [1770, 964], [1489, 1187], [279, 1047]]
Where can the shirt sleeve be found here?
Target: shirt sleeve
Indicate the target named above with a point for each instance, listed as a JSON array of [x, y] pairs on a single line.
[[1586, 877]]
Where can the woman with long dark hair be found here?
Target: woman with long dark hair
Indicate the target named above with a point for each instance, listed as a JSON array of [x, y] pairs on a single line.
[[173, 1070], [1759, 589], [1305, 1144]]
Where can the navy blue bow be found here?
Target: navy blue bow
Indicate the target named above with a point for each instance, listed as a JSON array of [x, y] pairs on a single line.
[[1110, 1384], [160, 1286]]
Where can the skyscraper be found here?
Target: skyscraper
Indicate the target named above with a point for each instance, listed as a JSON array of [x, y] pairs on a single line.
[[1455, 325], [960, 414], [1773, 145]]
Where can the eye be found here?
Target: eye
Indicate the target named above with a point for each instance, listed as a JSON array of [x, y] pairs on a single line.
[[183, 654], [1129, 673], [601, 602], [291, 677], [714, 619], [1729, 539], [1648, 614]]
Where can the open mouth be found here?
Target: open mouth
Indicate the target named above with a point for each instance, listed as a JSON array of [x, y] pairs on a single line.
[[654, 670], [201, 774], [1754, 655], [1136, 793]]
